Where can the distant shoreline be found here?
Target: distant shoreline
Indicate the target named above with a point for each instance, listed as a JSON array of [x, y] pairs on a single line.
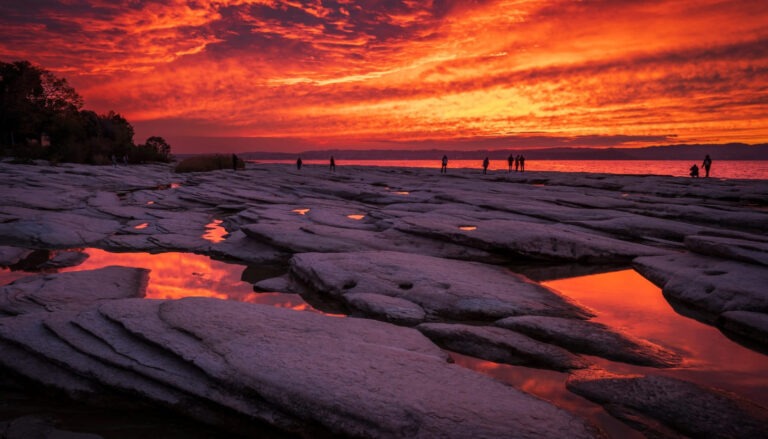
[[721, 169], [735, 151]]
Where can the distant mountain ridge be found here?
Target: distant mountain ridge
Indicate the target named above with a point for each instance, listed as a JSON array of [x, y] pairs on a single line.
[[730, 151]]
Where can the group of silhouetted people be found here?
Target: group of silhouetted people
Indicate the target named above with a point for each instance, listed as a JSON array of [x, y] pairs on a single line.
[[706, 164], [518, 161]]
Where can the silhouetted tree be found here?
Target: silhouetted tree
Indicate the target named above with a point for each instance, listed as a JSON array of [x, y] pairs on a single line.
[[160, 147], [33, 101]]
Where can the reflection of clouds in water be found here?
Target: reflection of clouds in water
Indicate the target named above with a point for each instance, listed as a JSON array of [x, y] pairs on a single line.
[[176, 275], [626, 301], [214, 231], [550, 386]]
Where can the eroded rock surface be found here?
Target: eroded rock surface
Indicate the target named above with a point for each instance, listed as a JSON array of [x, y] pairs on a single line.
[[52, 292], [443, 288], [500, 346], [592, 338], [708, 286], [427, 229], [660, 406]]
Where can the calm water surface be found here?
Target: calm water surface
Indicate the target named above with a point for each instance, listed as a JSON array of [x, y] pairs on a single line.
[[720, 169]]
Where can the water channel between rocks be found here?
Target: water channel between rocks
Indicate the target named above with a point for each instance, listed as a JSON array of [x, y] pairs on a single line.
[[620, 299]]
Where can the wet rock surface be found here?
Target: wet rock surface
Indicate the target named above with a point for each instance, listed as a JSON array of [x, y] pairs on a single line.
[[592, 338], [661, 406], [711, 288], [413, 256]]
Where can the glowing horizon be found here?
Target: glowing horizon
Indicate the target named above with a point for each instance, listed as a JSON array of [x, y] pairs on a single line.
[[298, 75]]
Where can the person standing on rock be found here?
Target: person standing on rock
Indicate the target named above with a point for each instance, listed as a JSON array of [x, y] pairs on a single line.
[[485, 165], [332, 166], [234, 162], [444, 165], [517, 163], [522, 163], [706, 164], [298, 163], [510, 162]]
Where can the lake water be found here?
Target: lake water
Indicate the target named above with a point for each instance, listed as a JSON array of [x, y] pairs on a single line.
[[621, 299], [679, 168]]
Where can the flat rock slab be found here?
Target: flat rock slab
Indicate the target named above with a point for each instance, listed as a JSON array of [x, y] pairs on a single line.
[[592, 338], [40, 369], [90, 333], [35, 427], [750, 325], [661, 406], [708, 284], [443, 288], [360, 377], [753, 250], [79, 289], [55, 229], [500, 346], [387, 308], [12, 255], [527, 239]]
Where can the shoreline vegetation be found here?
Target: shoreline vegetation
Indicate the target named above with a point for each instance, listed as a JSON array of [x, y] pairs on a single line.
[[42, 117]]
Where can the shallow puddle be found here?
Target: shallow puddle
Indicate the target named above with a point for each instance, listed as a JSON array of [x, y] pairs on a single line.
[[214, 231], [176, 275], [467, 228], [141, 226], [627, 301], [300, 211], [549, 386], [356, 216]]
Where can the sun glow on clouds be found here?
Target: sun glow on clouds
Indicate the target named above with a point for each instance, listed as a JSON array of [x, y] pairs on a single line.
[[411, 70]]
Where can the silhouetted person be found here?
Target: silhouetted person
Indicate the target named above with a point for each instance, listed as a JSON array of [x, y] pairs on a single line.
[[234, 162], [114, 161], [522, 163], [510, 162], [517, 163], [694, 171], [298, 163], [706, 164], [332, 167], [485, 165], [444, 165]]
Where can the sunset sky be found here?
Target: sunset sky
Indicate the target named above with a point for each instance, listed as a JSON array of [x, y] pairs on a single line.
[[295, 75]]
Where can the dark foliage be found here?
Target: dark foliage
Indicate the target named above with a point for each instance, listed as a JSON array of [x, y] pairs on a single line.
[[41, 116]]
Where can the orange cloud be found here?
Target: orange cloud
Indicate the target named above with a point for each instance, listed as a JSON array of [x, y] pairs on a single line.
[[410, 70]]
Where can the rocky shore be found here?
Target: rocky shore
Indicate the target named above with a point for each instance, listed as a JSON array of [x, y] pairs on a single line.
[[419, 262]]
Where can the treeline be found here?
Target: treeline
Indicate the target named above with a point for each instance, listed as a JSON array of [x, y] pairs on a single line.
[[41, 117]]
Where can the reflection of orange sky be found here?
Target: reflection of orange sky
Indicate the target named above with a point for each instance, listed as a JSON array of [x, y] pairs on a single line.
[[214, 231], [177, 275], [406, 70], [628, 302], [550, 386]]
